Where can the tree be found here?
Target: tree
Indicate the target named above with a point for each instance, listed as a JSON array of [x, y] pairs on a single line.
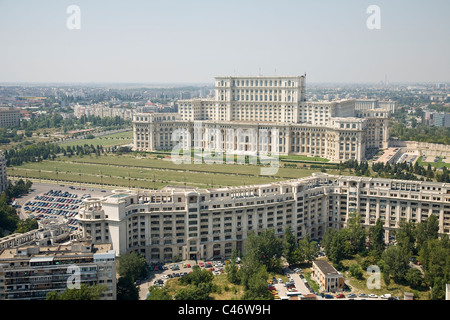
[[338, 245], [406, 236], [397, 262], [427, 230], [327, 239], [265, 249], [231, 269], [132, 265], [26, 225], [386, 277], [126, 289], [414, 277], [83, 293], [197, 276], [307, 249], [376, 242], [290, 248], [159, 293], [198, 285], [200, 292], [355, 271], [435, 258], [356, 234], [368, 261], [255, 283]]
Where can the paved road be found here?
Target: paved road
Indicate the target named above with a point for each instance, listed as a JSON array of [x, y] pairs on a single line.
[[299, 283]]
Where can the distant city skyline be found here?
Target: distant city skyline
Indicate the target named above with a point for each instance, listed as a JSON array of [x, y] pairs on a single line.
[[191, 42]]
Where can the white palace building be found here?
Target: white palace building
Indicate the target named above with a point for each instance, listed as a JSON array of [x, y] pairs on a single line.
[[244, 108], [209, 223]]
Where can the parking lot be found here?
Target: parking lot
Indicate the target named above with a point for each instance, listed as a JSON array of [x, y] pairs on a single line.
[[55, 201], [53, 204]]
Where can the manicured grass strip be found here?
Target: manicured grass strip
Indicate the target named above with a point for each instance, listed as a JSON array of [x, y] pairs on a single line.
[[105, 141]]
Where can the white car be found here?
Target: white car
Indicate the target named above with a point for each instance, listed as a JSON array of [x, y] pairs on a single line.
[[385, 296], [373, 295]]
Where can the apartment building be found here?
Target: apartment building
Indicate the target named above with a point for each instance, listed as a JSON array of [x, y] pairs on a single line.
[[329, 129], [49, 232], [209, 223], [327, 277], [30, 272], [102, 110], [9, 117]]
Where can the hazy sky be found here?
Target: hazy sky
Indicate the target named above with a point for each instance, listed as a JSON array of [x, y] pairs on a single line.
[[196, 40]]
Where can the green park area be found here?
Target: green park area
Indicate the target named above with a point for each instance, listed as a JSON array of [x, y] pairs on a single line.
[[435, 162], [153, 171], [105, 141]]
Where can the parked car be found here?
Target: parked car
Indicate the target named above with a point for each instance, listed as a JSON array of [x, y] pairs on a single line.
[[373, 295], [328, 296], [385, 296], [351, 295], [340, 296]]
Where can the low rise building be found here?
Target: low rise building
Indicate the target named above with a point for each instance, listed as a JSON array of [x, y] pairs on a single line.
[[327, 277]]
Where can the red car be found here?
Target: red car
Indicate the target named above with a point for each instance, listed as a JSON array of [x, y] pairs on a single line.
[[340, 296]]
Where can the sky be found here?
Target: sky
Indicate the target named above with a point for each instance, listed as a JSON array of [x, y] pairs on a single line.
[[193, 41]]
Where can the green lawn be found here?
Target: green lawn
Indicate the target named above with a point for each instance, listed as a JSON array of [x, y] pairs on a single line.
[[145, 172], [395, 289], [437, 165], [303, 158], [105, 141]]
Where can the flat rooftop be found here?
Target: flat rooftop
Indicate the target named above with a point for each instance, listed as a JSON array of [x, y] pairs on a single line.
[[62, 250], [326, 268]]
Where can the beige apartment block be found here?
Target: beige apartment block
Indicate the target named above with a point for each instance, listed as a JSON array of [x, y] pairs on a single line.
[[209, 223]]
